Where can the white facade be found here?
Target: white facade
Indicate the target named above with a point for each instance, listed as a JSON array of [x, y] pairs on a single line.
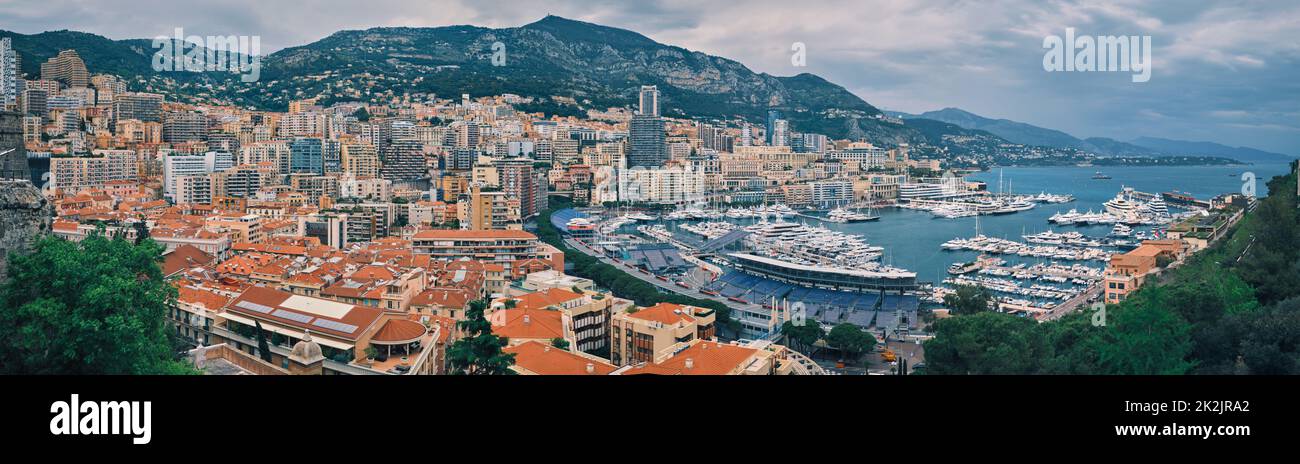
[[673, 185]]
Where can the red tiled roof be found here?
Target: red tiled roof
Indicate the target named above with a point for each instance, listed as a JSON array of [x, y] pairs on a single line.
[[544, 359], [707, 358], [528, 323], [399, 331]]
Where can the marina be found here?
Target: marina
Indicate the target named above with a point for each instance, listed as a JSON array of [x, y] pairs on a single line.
[[905, 242]]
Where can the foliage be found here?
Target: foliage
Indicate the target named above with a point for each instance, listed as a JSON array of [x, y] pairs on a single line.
[[560, 343], [263, 349], [985, 343], [969, 299], [478, 351], [97, 306], [850, 339], [802, 336]]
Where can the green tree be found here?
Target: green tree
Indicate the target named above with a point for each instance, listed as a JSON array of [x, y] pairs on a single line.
[[478, 351], [969, 299], [560, 343], [803, 336], [1146, 339], [851, 340], [263, 348], [97, 306], [985, 343]]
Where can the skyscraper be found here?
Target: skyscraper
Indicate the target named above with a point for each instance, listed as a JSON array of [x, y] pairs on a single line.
[[646, 142], [772, 117], [647, 145], [780, 133], [11, 83], [649, 99]]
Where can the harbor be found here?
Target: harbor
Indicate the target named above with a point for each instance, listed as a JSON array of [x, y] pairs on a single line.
[[1042, 269]]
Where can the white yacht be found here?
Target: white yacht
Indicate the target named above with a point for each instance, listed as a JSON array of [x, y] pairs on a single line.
[[1122, 205], [843, 215], [1121, 230]]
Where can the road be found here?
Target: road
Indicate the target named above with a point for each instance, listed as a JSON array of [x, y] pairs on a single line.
[[1073, 303]]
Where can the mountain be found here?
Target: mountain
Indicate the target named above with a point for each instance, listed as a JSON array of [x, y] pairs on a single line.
[[1114, 147], [102, 55], [596, 66], [1184, 147], [1017, 132]]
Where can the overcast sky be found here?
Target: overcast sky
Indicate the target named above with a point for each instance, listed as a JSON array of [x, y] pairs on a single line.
[[1228, 72]]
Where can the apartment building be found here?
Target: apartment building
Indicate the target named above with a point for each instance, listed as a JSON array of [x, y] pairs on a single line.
[[642, 335]]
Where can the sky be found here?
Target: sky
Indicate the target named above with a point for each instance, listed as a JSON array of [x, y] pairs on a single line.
[[1227, 72]]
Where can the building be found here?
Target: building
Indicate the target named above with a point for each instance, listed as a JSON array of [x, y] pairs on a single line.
[[360, 160], [647, 145], [403, 163], [540, 358], [184, 127], [862, 156], [35, 102], [647, 142], [518, 180], [70, 175], [700, 357], [494, 246], [772, 117], [350, 339], [11, 81], [141, 106], [644, 335], [1127, 272], [488, 209], [832, 192], [679, 184], [13, 154], [66, 68], [177, 165], [307, 156], [582, 319]]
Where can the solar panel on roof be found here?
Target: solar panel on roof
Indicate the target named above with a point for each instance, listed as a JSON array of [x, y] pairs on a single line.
[[333, 325], [290, 315], [251, 306]]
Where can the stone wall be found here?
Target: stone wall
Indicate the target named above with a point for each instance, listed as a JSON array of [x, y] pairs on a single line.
[[25, 214]]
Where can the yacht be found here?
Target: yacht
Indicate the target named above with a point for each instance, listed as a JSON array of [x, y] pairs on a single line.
[[963, 268], [843, 215], [1156, 207], [1122, 205], [1100, 176], [1121, 230]]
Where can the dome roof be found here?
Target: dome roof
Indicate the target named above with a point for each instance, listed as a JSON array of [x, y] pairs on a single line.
[[306, 351]]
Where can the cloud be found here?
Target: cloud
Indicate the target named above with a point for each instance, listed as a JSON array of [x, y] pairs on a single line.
[[907, 55]]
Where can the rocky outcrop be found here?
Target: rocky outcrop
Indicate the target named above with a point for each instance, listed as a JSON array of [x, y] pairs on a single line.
[[25, 214]]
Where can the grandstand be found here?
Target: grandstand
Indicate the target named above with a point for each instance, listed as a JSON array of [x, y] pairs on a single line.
[[827, 306], [657, 258]]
